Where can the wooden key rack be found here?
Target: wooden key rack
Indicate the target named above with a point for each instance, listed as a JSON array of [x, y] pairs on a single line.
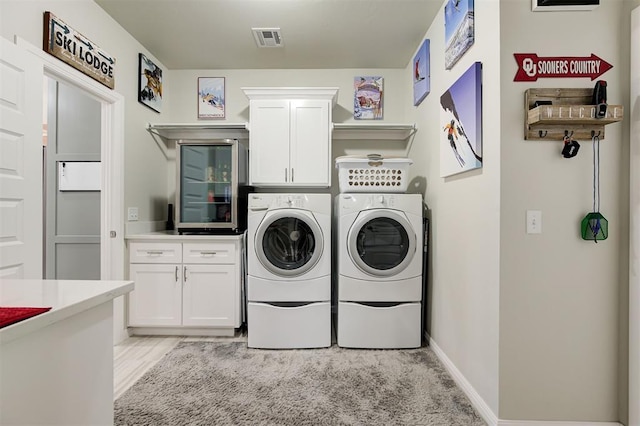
[[569, 114]]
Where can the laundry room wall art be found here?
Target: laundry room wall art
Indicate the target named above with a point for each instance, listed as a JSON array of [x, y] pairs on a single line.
[[368, 98], [211, 97], [421, 73], [149, 83], [459, 24], [461, 124]]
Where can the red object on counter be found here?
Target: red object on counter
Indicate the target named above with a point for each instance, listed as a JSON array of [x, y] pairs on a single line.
[[12, 315]]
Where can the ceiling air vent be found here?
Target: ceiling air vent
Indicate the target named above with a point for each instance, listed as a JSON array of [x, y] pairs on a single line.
[[267, 37]]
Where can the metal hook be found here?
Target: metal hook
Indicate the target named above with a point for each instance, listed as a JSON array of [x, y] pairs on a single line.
[[593, 134], [567, 134], [541, 134]]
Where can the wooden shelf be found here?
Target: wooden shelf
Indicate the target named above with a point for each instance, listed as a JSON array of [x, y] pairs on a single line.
[[570, 113], [370, 131], [177, 131]]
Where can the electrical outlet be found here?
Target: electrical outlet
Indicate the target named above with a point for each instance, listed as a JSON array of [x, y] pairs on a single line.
[[132, 214], [534, 222]]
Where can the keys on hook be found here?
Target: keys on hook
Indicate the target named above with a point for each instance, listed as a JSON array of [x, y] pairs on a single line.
[[570, 147]]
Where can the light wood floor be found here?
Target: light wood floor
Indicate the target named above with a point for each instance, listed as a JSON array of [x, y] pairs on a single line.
[[137, 354]]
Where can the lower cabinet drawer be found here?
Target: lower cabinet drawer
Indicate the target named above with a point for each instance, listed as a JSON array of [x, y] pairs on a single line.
[[270, 326], [155, 253], [222, 252]]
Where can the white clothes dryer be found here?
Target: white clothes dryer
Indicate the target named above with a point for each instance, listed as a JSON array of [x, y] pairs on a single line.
[[379, 250], [289, 271]]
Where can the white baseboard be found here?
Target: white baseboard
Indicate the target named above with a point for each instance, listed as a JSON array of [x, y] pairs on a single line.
[[481, 406], [476, 400], [553, 423]]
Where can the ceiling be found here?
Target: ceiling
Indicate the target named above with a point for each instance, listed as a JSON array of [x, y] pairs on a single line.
[[316, 34]]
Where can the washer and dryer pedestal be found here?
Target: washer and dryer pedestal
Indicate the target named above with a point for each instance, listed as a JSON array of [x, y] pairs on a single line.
[[379, 280]]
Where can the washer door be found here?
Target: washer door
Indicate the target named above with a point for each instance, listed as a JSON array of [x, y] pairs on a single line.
[[381, 242], [288, 242]]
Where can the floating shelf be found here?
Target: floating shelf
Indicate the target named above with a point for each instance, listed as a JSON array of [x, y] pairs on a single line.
[[175, 131], [369, 131], [570, 113]]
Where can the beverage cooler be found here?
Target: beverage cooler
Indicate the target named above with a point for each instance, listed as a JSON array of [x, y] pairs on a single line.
[[211, 192]]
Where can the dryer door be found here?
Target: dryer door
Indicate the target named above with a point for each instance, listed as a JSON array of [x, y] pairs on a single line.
[[381, 242], [288, 242]]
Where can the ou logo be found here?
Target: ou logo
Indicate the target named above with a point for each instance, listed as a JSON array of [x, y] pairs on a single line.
[[529, 67]]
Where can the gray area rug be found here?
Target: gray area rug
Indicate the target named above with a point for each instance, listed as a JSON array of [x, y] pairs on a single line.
[[226, 383]]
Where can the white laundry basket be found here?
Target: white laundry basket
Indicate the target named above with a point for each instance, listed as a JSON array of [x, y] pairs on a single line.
[[373, 173]]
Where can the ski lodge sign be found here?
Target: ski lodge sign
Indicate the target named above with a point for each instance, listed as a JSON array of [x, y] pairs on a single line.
[[68, 45]]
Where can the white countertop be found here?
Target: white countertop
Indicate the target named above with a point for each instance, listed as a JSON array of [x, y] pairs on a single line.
[[173, 235], [65, 297]]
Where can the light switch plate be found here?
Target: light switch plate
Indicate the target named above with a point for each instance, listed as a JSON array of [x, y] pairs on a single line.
[[534, 222]]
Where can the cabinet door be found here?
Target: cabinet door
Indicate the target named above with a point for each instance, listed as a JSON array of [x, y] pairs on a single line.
[[269, 142], [210, 296], [310, 143], [157, 297]]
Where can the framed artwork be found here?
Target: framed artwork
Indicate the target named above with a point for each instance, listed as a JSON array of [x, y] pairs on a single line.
[[421, 74], [461, 124], [367, 98], [458, 30], [149, 83], [211, 100]]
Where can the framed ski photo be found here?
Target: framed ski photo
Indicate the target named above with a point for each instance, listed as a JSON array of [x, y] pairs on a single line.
[[211, 97], [149, 83]]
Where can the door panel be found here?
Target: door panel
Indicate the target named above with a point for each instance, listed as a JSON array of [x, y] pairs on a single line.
[[209, 295], [77, 261], [20, 163], [310, 142], [269, 148]]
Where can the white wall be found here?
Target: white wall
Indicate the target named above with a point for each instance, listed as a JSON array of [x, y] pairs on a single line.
[[560, 296], [144, 166], [465, 212]]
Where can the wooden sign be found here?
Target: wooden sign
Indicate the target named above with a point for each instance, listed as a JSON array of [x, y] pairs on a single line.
[[531, 67], [68, 45]]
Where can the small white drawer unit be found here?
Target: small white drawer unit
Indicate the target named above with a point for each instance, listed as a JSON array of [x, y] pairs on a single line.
[[186, 287]]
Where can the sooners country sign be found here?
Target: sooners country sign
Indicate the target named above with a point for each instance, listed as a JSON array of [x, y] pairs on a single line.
[[531, 67], [68, 45]]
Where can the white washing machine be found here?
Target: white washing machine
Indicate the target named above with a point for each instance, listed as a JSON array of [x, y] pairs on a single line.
[[379, 279], [289, 271]]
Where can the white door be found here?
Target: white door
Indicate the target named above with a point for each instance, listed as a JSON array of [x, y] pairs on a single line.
[[21, 82], [269, 142], [310, 144]]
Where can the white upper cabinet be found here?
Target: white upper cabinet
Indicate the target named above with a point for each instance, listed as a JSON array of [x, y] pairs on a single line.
[[290, 136]]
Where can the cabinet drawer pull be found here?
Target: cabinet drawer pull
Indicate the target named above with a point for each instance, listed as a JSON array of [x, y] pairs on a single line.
[[185, 274], [176, 274], [285, 175], [292, 175], [154, 252], [208, 253]]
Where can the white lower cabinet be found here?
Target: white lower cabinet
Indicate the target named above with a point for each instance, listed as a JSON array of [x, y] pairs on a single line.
[[183, 286]]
